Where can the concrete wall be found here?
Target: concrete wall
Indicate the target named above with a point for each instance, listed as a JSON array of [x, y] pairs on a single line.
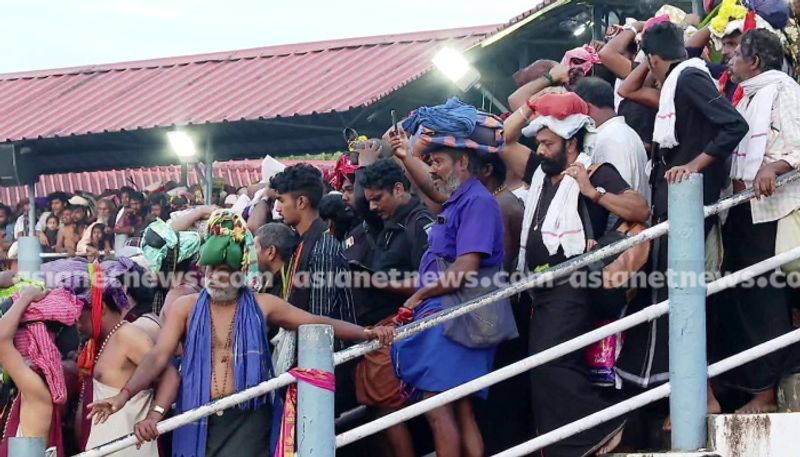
[[756, 435]]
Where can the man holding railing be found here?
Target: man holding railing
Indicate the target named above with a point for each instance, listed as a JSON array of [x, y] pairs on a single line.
[[465, 243], [752, 315], [225, 350]]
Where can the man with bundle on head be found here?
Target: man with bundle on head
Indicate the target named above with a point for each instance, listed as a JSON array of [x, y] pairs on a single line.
[[567, 210], [465, 244], [29, 357], [224, 334]]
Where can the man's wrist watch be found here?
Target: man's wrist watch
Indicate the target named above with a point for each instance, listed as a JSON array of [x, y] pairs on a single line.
[[157, 409], [601, 192]]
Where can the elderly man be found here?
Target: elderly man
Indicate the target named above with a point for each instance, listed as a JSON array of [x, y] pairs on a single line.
[[224, 334], [466, 240], [752, 315], [566, 209]]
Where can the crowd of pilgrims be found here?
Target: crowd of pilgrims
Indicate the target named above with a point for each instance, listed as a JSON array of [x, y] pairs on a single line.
[[92, 352]]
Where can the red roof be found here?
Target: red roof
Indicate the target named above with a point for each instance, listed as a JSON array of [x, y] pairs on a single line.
[[262, 83], [236, 173]]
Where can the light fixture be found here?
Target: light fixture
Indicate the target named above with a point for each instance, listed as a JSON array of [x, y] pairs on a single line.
[[182, 143], [457, 69], [580, 30]]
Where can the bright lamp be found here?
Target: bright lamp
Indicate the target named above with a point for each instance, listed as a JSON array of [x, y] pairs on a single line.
[[453, 64], [182, 143]]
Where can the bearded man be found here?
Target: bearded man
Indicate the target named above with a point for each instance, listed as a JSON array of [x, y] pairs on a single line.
[[224, 334]]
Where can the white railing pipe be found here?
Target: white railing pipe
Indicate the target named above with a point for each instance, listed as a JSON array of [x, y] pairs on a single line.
[[647, 314], [646, 398]]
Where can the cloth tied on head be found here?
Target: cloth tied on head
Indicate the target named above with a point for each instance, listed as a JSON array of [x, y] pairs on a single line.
[[225, 242], [35, 343], [229, 242], [586, 53], [565, 115], [90, 282], [454, 125], [158, 239], [344, 170]]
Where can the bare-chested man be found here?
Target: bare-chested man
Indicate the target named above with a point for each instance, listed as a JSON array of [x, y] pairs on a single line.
[[223, 331]]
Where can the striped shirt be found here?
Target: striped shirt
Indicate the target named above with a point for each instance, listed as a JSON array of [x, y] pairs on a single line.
[[328, 269], [783, 144]]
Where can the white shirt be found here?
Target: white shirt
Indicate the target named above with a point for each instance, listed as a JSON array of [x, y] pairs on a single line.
[[618, 144]]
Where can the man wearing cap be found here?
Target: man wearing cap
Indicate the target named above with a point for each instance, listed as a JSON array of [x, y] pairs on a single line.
[[230, 320], [565, 211]]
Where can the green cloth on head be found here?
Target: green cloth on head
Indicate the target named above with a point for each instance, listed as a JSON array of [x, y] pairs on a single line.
[[222, 249], [188, 244]]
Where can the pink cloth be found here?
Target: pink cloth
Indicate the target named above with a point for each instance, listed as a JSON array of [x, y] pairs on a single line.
[[585, 53], [559, 106], [653, 21], [36, 344]]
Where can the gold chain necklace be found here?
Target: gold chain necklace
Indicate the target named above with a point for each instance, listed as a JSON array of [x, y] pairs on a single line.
[[499, 190]]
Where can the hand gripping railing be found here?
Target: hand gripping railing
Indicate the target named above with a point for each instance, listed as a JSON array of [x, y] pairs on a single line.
[[533, 280]]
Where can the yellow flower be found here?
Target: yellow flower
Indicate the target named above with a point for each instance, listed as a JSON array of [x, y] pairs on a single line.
[[730, 10]]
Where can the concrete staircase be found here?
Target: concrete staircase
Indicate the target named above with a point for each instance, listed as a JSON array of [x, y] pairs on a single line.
[[746, 435]]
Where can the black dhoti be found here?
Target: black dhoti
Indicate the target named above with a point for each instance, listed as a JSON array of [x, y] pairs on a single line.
[[561, 390], [240, 433]]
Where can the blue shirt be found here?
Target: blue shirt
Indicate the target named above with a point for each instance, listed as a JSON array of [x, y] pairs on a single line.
[[470, 222]]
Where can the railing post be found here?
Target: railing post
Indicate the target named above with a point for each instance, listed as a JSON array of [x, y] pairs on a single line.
[[687, 315], [26, 447], [29, 249], [316, 434]]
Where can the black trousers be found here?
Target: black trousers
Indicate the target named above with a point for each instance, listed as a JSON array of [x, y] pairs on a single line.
[[561, 391], [748, 315]]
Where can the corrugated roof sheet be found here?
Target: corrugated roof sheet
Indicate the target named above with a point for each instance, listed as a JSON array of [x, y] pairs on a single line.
[[277, 81], [260, 83], [236, 173]]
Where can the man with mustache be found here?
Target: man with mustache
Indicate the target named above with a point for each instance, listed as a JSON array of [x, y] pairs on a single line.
[[467, 239], [224, 335], [566, 209]]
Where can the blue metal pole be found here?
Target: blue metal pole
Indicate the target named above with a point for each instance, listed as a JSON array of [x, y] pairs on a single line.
[[316, 435], [29, 249], [26, 447], [687, 315]]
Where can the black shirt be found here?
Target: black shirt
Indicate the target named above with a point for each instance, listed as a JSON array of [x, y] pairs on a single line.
[[398, 247], [607, 177], [716, 70], [704, 122]]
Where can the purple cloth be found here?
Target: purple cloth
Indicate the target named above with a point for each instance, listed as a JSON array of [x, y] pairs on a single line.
[[470, 222]]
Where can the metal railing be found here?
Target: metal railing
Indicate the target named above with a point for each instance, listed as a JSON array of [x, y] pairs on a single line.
[[531, 281]]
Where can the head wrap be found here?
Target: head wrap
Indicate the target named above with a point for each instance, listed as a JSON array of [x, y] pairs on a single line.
[[343, 170], [89, 282], [454, 125], [229, 242], [585, 53], [564, 114], [158, 239], [35, 343]]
